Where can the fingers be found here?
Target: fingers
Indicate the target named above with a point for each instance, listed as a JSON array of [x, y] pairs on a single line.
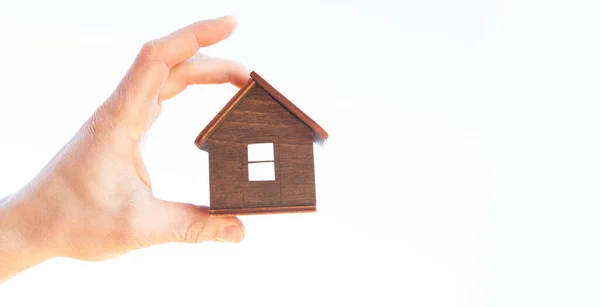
[[188, 223], [152, 64], [184, 43], [203, 70], [138, 91]]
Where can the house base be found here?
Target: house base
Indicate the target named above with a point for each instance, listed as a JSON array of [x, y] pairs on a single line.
[[263, 210]]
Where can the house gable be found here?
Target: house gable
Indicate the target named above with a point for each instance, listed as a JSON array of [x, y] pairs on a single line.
[[319, 135], [259, 114]]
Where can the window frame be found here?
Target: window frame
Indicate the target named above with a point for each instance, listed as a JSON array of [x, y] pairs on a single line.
[[274, 140]]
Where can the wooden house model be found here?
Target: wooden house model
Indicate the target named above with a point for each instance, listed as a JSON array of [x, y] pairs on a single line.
[[260, 149]]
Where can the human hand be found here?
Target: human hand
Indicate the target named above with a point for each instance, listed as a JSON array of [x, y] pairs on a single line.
[[94, 200]]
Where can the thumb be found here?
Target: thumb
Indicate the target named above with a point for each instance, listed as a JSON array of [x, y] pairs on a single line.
[[187, 223]]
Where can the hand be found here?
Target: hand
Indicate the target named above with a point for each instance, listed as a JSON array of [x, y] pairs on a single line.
[[94, 199]]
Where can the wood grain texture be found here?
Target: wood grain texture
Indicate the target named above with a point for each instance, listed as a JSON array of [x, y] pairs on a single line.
[[257, 117], [201, 140], [319, 135], [261, 192]]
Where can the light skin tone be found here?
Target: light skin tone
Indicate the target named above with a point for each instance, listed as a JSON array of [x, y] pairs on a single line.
[[93, 201]]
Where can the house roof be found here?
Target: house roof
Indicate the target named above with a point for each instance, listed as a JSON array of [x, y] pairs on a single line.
[[319, 134]]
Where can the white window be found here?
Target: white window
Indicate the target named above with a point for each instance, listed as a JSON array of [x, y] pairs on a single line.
[[261, 162]]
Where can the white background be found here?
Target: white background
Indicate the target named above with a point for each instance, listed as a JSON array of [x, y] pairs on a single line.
[[462, 169]]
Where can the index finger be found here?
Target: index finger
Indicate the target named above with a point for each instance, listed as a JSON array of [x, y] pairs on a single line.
[[185, 42]]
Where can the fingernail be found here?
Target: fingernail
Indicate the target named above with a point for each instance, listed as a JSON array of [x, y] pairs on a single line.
[[226, 17], [231, 234]]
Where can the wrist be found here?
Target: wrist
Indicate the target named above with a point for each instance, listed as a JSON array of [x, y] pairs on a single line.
[[24, 242]]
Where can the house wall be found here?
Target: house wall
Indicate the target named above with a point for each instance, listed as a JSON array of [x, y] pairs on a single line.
[[258, 114]]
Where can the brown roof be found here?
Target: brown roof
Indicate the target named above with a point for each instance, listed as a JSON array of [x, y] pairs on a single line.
[[319, 134]]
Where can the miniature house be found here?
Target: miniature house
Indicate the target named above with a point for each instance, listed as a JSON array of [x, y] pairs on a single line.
[[260, 150]]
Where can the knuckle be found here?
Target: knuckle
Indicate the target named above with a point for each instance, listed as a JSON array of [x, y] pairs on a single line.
[[194, 233], [148, 48], [149, 54]]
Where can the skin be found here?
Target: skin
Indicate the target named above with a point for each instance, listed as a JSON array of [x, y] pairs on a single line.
[[93, 201]]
